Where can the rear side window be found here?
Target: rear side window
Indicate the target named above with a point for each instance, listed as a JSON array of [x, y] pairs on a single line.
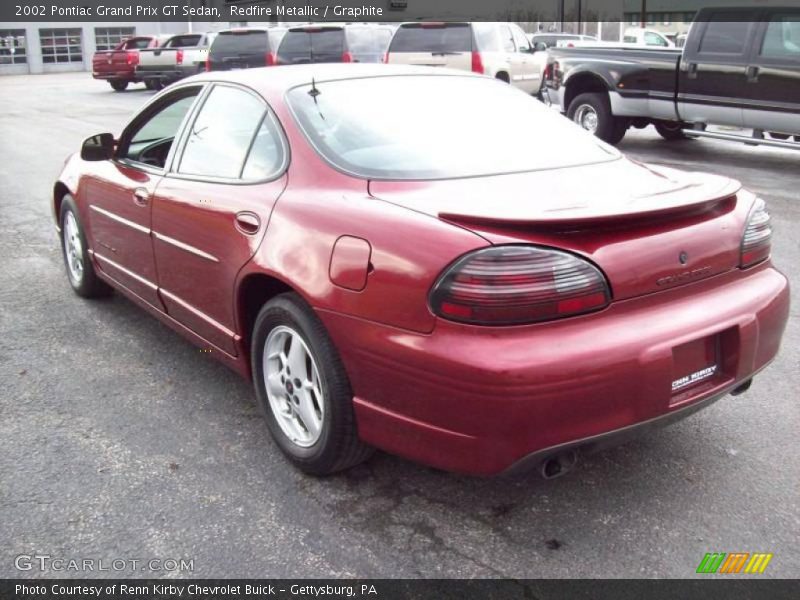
[[726, 36], [488, 37], [240, 42], [782, 40], [183, 41], [426, 37], [222, 134]]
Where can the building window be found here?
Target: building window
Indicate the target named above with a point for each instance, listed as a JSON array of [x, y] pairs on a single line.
[[12, 47], [108, 38], [61, 45]]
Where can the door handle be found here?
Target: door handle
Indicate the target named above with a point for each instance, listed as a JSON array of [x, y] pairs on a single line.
[[140, 196], [752, 74], [692, 71], [248, 222]]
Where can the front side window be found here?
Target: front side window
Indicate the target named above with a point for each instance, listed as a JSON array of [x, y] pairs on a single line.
[[150, 140], [782, 40], [437, 135], [653, 39], [223, 134]]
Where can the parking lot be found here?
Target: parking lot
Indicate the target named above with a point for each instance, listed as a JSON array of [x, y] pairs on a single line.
[[118, 439]]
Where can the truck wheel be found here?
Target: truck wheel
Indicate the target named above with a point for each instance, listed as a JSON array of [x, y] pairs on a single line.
[[118, 85], [592, 111], [148, 83], [671, 130], [303, 389]]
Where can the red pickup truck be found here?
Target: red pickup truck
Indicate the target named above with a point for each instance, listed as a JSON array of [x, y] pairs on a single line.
[[118, 66]]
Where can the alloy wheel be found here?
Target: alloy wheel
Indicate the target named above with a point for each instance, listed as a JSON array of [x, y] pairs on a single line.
[[292, 382], [73, 248]]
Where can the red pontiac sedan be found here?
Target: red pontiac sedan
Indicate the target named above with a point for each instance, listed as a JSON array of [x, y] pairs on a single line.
[[398, 263]]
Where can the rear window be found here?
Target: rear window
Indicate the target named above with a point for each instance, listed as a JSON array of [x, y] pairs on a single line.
[[447, 37], [307, 45], [552, 40], [137, 44], [368, 40], [183, 41], [244, 42], [436, 134]]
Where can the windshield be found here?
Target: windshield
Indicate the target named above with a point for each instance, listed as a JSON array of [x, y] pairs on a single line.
[[438, 127]]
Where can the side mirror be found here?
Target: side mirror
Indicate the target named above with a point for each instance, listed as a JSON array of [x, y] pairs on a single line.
[[539, 47], [98, 147]]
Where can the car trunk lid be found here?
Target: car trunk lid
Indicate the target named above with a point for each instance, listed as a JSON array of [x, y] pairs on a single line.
[[648, 228]]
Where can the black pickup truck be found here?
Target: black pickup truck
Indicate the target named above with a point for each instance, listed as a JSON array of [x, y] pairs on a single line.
[[739, 68]]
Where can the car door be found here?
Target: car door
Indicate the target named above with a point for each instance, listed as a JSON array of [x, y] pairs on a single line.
[[712, 72], [530, 69], [211, 210], [772, 90], [118, 194]]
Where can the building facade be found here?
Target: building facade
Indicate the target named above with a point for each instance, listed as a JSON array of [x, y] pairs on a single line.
[[57, 47]]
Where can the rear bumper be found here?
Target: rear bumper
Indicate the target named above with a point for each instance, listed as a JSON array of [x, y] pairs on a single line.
[[115, 75], [553, 97], [481, 400], [166, 75]]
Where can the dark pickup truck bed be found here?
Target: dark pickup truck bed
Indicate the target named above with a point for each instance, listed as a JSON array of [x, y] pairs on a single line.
[[740, 68]]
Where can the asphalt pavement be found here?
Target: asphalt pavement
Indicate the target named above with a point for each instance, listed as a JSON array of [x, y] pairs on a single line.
[[120, 440]]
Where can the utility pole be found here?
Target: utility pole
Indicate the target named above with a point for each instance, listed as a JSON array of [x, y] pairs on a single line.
[[644, 13]]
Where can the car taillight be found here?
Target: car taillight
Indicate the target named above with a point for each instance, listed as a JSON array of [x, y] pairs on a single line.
[[179, 57], [477, 63], [757, 238], [347, 57], [132, 58], [512, 285], [272, 60], [208, 62], [385, 58]]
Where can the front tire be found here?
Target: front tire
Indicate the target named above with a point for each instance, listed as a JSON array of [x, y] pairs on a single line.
[[118, 85], [80, 271], [592, 111], [303, 390]]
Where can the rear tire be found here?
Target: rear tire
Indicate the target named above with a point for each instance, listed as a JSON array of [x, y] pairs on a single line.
[[118, 85], [303, 389], [80, 271], [592, 111], [671, 130]]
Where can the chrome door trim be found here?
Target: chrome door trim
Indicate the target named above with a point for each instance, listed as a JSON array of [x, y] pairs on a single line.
[[201, 315], [121, 220], [185, 247], [122, 269]]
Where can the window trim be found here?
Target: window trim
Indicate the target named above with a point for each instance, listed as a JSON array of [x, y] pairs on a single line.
[[173, 161], [147, 112], [766, 19]]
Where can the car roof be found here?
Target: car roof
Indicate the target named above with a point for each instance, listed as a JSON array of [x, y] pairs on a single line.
[[276, 80]]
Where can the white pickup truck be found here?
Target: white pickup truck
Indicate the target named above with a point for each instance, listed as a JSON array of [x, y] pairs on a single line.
[[180, 56]]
